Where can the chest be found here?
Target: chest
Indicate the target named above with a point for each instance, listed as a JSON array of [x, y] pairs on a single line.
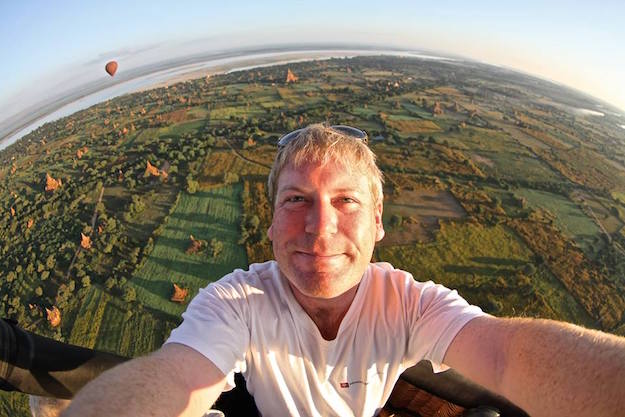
[[288, 355]]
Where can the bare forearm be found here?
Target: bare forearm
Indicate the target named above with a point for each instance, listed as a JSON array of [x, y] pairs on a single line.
[[175, 381], [557, 369], [128, 390]]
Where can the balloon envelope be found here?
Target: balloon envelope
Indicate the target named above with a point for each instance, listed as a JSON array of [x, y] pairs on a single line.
[[111, 67]]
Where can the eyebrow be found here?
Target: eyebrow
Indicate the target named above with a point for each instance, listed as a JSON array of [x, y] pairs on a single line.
[[303, 190]]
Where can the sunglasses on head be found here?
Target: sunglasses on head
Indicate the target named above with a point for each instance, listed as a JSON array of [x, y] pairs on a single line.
[[352, 132]]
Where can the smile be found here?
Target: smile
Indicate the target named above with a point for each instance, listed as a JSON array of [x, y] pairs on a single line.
[[319, 255]]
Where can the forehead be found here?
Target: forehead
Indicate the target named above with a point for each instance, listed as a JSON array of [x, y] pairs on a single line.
[[329, 176]]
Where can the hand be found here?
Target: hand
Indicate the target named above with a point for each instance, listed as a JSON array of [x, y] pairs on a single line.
[[47, 407]]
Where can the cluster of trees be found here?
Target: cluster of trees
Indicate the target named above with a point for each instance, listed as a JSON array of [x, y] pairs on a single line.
[[596, 292], [119, 286], [255, 221]]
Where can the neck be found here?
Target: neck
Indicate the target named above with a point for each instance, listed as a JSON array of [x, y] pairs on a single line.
[[326, 313]]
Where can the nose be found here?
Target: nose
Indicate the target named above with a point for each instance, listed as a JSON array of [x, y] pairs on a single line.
[[321, 219]]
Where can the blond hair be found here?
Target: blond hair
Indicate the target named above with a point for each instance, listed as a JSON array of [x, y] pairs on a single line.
[[320, 144]]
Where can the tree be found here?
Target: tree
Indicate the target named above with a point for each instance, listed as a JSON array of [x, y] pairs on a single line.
[[110, 283], [85, 281], [134, 255], [39, 291], [529, 270], [253, 223], [231, 177], [50, 262], [396, 221], [192, 185], [137, 205], [130, 294], [215, 247]]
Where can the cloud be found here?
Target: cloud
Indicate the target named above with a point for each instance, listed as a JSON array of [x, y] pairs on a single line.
[[123, 53]]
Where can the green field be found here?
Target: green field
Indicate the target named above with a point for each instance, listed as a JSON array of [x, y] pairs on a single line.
[[110, 328], [486, 265], [460, 249], [89, 318], [555, 301], [132, 332], [364, 112], [207, 214], [568, 217], [237, 112], [489, 140], [197, 113], [515, 166], [463, 256]]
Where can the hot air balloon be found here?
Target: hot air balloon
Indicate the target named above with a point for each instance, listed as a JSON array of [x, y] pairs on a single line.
[[111, 67]]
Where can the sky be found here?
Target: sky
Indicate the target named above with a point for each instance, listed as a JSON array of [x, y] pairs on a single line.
[[47, 47]]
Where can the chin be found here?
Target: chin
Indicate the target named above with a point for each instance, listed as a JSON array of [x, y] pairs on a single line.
[[323, 284], [324, 294]]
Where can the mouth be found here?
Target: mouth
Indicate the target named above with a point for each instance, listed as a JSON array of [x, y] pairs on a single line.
[[319, 255]]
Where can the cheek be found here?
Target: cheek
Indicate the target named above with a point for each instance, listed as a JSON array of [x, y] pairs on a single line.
[[281, 224], [360, 230]]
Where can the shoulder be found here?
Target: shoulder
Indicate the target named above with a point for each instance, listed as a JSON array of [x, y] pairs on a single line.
[[385, 275], [383, 271], [257, 270], [387, 285], [254, 279], [420, 296], [260, 286]]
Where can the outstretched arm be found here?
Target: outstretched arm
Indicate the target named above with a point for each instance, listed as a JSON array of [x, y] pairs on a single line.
[[173, 381], [548, 368]]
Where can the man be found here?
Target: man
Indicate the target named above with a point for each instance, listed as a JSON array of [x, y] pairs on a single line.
[[322, 331]]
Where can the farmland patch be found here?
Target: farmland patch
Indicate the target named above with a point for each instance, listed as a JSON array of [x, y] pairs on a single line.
[[207, 214], [411, 126], [217, 163], [567, 215], [413, 215], [486, 265], [515, 166]]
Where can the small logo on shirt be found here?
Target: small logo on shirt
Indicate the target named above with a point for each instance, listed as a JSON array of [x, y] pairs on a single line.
[[347, 384]]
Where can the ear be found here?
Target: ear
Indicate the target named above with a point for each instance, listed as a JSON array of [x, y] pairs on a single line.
[[270, 232], [379, 227]]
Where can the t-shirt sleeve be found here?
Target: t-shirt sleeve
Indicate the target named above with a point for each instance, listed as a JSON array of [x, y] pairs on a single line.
[[435, 316], [215, 324]]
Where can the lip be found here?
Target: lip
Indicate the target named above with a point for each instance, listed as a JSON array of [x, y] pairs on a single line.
[[319, 255]]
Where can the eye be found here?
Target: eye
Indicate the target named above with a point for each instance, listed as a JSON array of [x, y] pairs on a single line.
[[347, 200], [294, 199]]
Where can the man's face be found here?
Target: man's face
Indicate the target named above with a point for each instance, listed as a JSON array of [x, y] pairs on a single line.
[[325, 225]]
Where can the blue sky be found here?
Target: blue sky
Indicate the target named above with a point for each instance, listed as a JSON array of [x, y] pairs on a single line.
[[47, 46]]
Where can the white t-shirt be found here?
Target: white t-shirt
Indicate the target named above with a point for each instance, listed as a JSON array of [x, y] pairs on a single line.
[[250, 322]]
